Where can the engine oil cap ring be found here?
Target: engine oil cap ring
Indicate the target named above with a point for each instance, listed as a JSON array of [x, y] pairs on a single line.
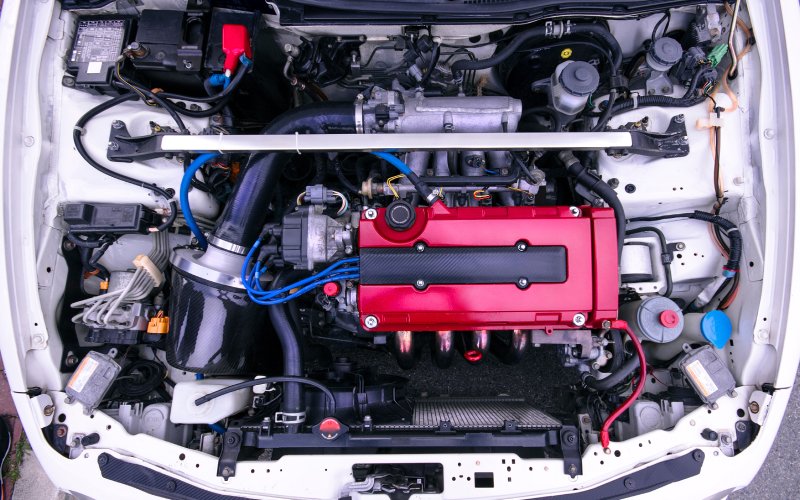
[[400, 215]]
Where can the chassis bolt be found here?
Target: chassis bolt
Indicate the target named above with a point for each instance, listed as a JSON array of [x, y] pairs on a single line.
[[741, 427], [113, 146], [725, 439], [370, 321], [680, 118], [575, 211], [680, 246], [371, 214], [606, 325], [754, 407], [522, 282], [48, 410], [613, 183], [419, 247], [579, 320], [61, 431], [71, 360], [117, 124], [420, 284], [522, 246]]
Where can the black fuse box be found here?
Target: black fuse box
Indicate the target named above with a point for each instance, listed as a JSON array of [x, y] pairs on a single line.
[[117, 218], [98, 42]]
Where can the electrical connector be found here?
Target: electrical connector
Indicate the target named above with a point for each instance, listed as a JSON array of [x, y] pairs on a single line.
[[158, 324], [717, 53]]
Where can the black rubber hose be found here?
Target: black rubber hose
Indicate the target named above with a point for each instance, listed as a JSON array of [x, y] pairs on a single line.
[[292, 352], [654, 100], [619, 350], [542, 32], [245, 212], [593, 183], [613, 380], [77, 140], [666, 255], [729, 227], [270, 380]]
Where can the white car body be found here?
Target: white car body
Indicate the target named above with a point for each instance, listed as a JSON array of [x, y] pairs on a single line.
[[35, 142]]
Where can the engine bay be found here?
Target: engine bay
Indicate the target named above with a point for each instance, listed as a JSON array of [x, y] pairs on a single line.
[[266, 237]]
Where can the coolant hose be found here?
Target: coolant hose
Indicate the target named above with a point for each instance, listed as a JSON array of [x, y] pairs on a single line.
[[544, 32], [245, 212], [593, 183], [292, 352], [614, 379]]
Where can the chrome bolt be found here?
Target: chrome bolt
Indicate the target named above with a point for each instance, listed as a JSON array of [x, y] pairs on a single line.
[[680, 246], [370, 322], [725, 439], [419, 247], [575, 211], [113, 146], [420, 284], [187, 64], [606, 325], [740, 427], [579, 320], [522, 246], [371, 214], [48, 410], [754, 407], [522, 282]]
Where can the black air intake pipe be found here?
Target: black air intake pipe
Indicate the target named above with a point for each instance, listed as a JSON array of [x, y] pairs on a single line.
[[216, 328], [243, 217]]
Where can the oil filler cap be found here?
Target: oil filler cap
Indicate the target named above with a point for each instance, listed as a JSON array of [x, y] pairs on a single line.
[[400, 215]]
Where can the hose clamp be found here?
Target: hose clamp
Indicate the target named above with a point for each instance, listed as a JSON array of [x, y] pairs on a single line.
[[227, 245], [359, 116], [290, 418]]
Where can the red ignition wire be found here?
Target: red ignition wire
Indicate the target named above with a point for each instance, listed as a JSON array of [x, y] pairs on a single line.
[[622, 325]]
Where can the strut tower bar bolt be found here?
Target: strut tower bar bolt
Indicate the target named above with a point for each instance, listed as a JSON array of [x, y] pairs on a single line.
[[370, 322], [579, 319], [575, 211], [419, 247], [371, 214]]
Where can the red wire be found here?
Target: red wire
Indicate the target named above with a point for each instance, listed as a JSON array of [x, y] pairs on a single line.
[[622, 325]]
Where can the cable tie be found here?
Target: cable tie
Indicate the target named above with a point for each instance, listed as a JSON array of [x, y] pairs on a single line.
[[297, 142], [635, 98], [219, 143], [81, 130]]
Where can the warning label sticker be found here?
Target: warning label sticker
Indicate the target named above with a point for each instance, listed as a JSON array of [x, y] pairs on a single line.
[[83, 374], [702, 380]]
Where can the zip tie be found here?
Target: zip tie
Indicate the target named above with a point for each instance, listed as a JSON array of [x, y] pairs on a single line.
[[81, 130], [297, 142], [219, 144], [635, 98]]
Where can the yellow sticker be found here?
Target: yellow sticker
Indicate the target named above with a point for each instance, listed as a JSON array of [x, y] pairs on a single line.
[[566, 53]]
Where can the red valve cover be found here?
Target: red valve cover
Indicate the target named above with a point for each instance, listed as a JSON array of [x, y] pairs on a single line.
[[496, 268]]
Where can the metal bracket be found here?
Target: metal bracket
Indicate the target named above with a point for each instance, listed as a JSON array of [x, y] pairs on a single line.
[[571, 449], [672, 143], [124, 148], [231, 445], [290, 418]]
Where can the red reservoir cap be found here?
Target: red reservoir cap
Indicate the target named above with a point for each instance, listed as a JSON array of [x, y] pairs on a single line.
[[669, 318], [331, 289]]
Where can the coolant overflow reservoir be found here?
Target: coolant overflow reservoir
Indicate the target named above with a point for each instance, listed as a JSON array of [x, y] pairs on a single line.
[[656, 319]]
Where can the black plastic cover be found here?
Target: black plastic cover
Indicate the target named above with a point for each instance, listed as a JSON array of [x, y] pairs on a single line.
[[97, 44], [116, 218], [463, 265]]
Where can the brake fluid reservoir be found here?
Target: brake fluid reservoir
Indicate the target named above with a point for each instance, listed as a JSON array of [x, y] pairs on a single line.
[[572, 84]]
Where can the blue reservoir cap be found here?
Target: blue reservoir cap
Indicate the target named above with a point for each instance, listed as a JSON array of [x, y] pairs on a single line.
[[716, 328]]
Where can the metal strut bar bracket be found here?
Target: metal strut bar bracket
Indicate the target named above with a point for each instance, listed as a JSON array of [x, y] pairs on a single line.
[[672, 143], [124, 148]]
